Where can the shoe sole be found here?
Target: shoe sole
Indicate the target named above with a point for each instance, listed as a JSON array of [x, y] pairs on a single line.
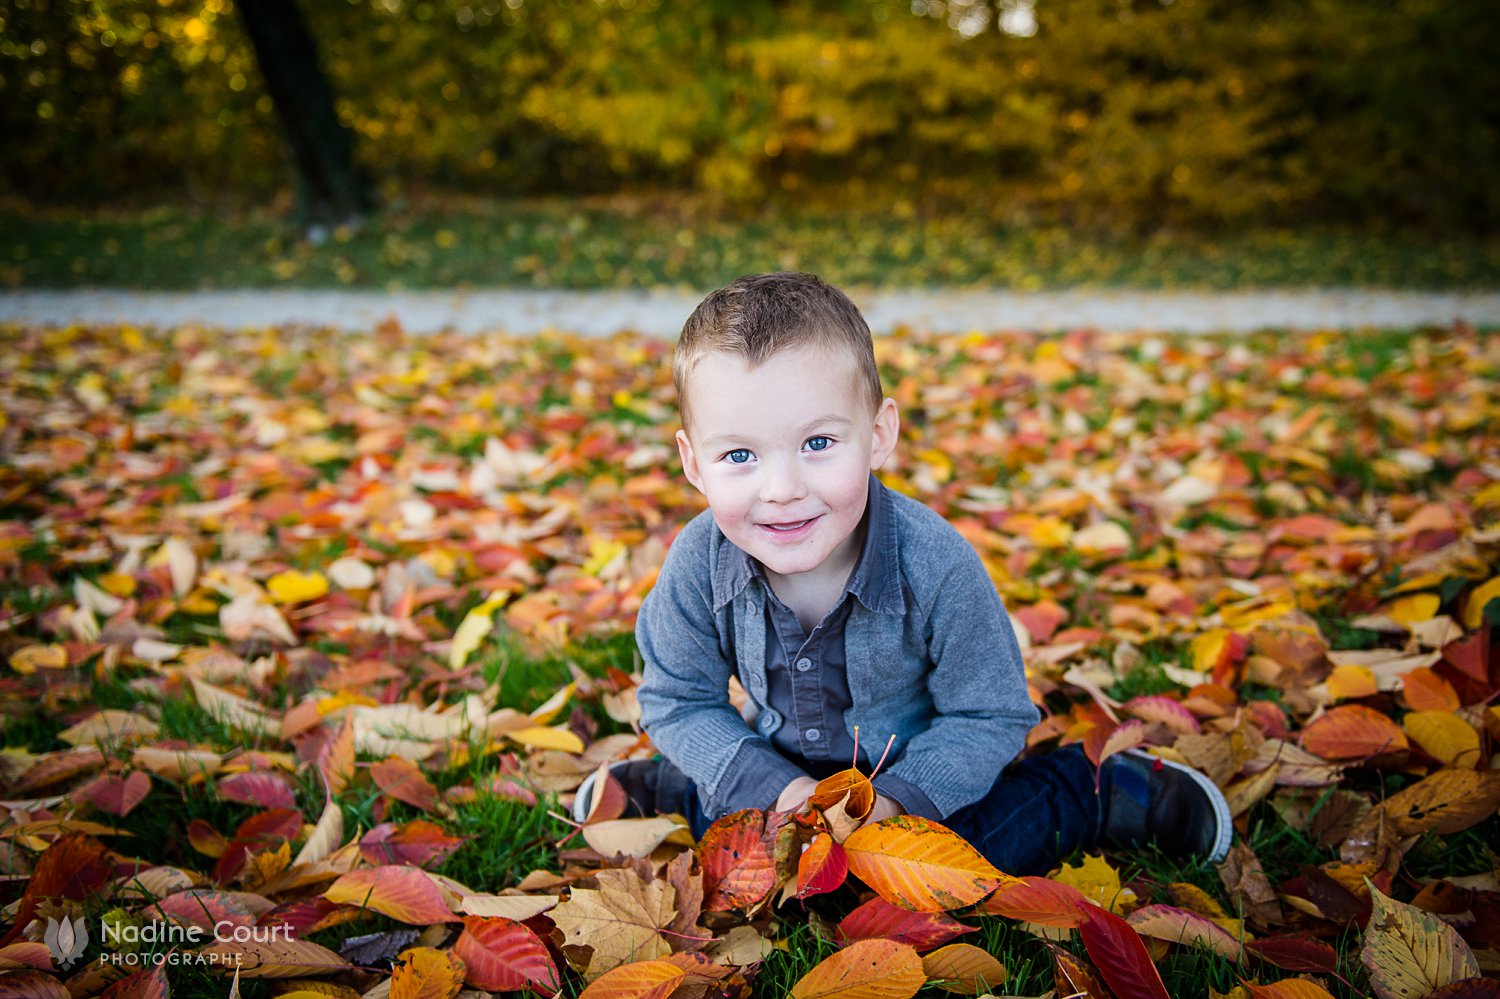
[[1224, 831]]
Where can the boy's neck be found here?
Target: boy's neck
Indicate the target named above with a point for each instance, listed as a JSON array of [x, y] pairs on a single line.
[[811, 595]]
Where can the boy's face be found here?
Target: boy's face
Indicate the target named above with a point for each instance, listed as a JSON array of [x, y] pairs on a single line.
[[783, 453]]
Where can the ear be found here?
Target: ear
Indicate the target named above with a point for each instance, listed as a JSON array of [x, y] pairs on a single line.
[[887, 431], [689, 461]]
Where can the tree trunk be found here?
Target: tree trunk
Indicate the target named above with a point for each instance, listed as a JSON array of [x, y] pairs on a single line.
[[330, 187]]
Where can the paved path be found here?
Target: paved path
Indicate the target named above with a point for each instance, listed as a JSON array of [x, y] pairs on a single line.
[[601, 313]]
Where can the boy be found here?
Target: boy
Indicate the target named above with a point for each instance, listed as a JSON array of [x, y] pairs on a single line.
[[839, 603]]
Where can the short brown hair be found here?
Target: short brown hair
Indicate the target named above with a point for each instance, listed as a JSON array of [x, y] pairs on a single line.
[[760, 315]]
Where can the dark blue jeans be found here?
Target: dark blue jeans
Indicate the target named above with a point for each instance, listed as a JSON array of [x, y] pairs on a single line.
[[1039, 811]]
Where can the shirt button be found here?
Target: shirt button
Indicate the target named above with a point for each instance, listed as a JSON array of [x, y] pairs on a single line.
[[804, 664], [812, 735]]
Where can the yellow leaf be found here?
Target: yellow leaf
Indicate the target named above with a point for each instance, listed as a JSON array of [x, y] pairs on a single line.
[[1347, 682], [28, 660], [473, 629], [1417, 607], [601, 553], [1098, 882], [1049, 532], [1410, 953], [1444, 736], [427, 973], [1207, 648], [1474, 606], [291, 586], [542, 737]]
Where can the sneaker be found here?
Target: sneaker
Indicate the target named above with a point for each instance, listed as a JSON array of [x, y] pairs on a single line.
[[636, 777], [1179, 808]]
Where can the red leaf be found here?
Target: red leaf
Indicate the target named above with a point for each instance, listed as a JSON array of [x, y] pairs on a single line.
[[206, 907], [114, 793], [822, 867], [1039, 900], [738, 869], [1120, 955], [31, 985], [75, 866], [879, 919], [264, 788], [149, 983], [1470, 655], [305, 915], [502, 956], [1296, 953], [419, 843]]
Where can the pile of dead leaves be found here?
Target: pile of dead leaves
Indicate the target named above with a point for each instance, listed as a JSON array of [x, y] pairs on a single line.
[[1274, 560]]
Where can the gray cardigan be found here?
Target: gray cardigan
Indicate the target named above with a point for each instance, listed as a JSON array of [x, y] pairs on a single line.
[[936, 665]]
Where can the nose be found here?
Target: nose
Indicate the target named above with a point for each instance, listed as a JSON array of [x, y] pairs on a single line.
[[782, 482]]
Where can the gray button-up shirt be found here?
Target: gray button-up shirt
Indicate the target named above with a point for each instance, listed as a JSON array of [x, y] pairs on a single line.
[[806, 682], [930, 658]]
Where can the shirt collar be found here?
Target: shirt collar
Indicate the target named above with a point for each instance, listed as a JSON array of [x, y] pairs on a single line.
[[875, 582]]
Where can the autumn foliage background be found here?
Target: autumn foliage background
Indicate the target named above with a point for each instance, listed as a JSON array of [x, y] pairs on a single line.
[[320, 631]]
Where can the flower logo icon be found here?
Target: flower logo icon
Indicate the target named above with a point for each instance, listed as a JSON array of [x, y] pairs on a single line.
[[66, 939]]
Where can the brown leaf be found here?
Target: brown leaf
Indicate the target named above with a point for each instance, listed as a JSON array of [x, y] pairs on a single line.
[[1248, 887], [1447, 802], [619, 923]]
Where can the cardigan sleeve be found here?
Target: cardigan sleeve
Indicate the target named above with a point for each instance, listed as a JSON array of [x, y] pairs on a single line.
[[684, 693], [977, 683]]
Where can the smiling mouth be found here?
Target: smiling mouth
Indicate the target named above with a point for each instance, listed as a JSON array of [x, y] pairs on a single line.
[[795, 525]]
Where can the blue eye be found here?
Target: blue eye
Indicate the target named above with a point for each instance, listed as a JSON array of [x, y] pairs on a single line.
[[819, 443], [738, 456]]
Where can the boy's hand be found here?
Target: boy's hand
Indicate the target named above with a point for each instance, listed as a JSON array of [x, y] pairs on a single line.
[[795, 795], [884, 808]]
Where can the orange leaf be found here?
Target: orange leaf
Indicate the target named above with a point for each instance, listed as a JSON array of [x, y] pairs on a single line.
[[419, 843], [1425, 690], [963, 968], [504, 956], [1349, 682], [426, 973], [869, 969], [336, 759], [1289, 988], [641, 980], [918, 864], [403, 780], [846, 784], [405, 894], [1039, 900], [1352, 731]]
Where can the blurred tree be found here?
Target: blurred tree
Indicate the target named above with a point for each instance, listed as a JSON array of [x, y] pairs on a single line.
[[331, 189], [1106, 113]]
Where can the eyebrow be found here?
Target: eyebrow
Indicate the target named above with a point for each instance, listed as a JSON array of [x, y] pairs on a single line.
[[835, 419]]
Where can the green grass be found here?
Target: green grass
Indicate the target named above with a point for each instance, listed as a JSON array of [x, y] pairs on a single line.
[[565, 244]]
